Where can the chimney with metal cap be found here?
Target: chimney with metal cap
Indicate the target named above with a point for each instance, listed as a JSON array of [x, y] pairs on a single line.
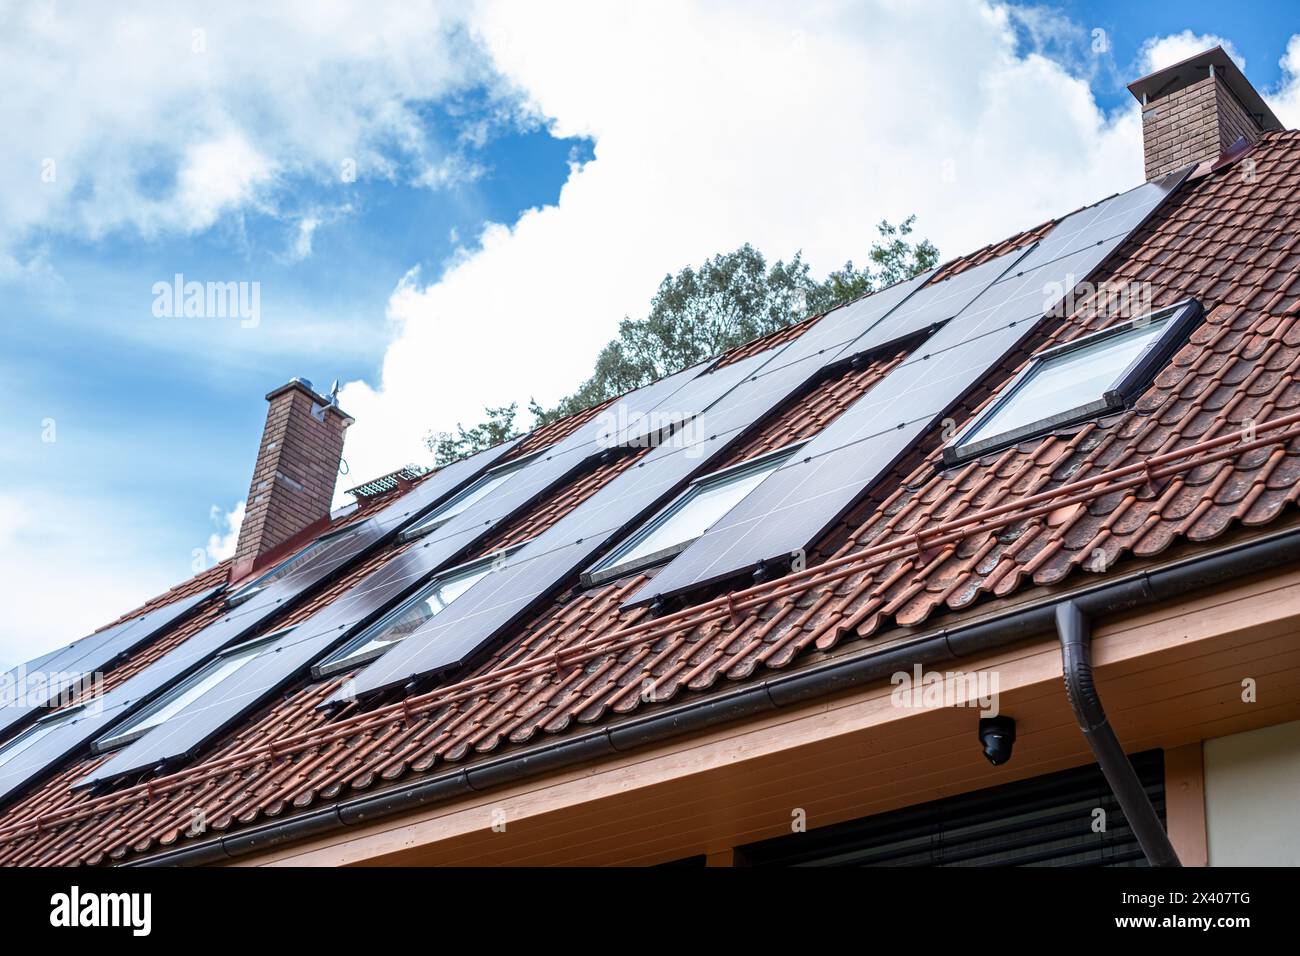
[[297, 467], [1198, 110]]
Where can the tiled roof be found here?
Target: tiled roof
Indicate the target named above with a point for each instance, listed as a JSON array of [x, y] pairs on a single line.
[[769, 341], [993, 250], [1230, 240]]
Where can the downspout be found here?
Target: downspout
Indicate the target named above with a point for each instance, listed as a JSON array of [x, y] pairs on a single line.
[[1074, 629]]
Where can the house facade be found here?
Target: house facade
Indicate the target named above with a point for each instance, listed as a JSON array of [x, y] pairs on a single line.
[[996, 565]]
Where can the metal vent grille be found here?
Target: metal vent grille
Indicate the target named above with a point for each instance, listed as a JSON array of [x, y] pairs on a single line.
[[388, 482], [1045, 821]]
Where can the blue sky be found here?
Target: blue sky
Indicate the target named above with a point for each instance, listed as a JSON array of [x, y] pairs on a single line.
[[522, 181], [1258, 29]]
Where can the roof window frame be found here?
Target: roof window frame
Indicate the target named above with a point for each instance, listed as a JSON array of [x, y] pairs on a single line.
[[122, 735], [422, 525], [254, 587], [608, 567], [336, 660], [1180, 320], [44, 725]]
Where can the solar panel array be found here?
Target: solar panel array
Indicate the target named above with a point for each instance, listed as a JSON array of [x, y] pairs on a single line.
[[628, 422], [750, 391], [794, 505], [987, 311], [440, 486], [322, 631], [279, 661], [85, 657], [243, 621], [35, 685]]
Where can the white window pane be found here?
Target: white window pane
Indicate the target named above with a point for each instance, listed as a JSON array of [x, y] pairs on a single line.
[[202, 682], [693, 515], [453, 588], [29, 737], [1069, 380], [316, 550], [475, 492], [406, 621]]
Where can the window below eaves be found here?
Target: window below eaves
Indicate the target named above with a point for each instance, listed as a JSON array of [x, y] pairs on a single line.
[[409, 616], [686, 518], [1078, 380], [184, 694], [476, 491]]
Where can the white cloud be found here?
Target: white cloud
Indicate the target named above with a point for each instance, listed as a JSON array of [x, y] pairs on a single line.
[[1159, 52], [307, 227], [1285, 100], [71, 566], [164, 120], [222, 542], [215, 176], [787, 126]]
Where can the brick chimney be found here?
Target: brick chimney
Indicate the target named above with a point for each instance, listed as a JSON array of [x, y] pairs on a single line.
[[1197, 110], [297, 466]]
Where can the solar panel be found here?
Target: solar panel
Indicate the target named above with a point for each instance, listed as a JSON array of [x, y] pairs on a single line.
[[63, 738], [1111, 218], [933, 304], [828, 338], [498, 599], [279, 661], [223, 704], [27, 687], [445, 482], [794, 505], [683, 405], [553, 556], [38, 683], [239, 622], [88, 656], [285, 657]]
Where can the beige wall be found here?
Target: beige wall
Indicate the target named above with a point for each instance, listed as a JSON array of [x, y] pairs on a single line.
[[1252, 797]]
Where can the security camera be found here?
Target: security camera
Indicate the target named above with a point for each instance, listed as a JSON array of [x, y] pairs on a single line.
[[997, 737]]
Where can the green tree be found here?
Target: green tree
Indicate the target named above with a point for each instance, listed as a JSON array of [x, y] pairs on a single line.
[[729, 300], [499, 426]]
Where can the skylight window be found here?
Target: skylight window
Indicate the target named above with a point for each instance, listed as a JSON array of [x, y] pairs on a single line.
[[184, 694], [696, 510], [1098, 373], [476, 491], [328, 544], [407, 617], [35, 734]]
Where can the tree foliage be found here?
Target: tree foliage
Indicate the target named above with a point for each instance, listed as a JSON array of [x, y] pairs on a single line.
[[496, 428], [698, 313]]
